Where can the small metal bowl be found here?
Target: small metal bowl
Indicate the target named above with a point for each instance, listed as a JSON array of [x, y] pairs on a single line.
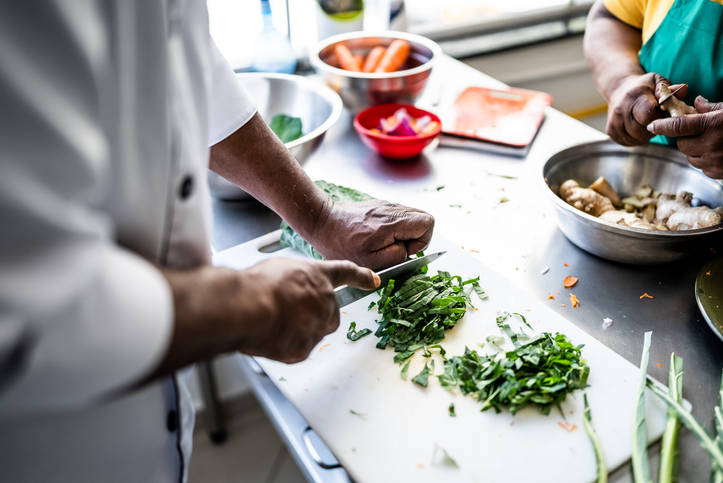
[[627, 169], [361, 90], [318, 107]]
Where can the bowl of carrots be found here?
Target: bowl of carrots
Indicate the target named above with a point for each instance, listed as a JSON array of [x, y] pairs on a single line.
[[397, 131], [368, 69]]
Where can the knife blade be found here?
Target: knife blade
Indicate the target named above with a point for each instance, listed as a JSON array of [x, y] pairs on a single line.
[[346, 294]]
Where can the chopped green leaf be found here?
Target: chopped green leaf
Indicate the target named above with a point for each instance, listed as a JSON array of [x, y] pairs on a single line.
[[282, 379], [352, 334], [501, 175], [422, 377], [405, 370], [451, 411], [503, 200], [356, 413], [439, 188], [403, 356], [455, 206], [287, 128], [446, 458]]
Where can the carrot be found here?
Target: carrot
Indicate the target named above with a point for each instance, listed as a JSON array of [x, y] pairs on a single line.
[[395, 56], [373, 57], [359, 59], [569, 281], [346, 59]]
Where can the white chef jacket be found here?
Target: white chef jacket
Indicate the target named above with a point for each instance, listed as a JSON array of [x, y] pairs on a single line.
[[107, 109]]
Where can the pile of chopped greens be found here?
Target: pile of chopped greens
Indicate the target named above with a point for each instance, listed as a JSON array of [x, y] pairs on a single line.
[[416, 312], [289, 238], [287, 128], [541, 372]]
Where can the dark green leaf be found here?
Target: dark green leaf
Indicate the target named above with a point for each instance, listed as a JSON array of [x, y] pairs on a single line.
[[405, 370], [287, 128], [422, 377], [451, 411], [352, 334]]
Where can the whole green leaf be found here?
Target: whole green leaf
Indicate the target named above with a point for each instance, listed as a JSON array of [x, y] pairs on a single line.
[[602, 471], [669, 448], [289, 238], [287, 128], [641, 465]]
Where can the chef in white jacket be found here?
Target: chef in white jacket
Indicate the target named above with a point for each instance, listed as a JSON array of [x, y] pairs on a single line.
[[107, 112]]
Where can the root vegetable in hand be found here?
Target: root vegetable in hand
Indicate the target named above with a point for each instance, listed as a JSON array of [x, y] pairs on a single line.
[[673, 105], [585, 199]]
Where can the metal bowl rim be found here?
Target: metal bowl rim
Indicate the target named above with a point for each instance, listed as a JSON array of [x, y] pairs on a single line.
[[609, 226], [389, 34], [337, 105]]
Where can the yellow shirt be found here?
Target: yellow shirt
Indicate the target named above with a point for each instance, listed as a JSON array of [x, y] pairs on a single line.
[[646, 15]]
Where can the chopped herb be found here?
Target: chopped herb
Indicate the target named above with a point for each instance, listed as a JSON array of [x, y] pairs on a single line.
[[371, 305], [439, 188], [356, 413], [282, 379], [503, 200], [451, 411], [602, 471], [506, 315], [405, 370], [446, 458], [501, 175], [455, 206], [352, 334], [540, 372], [422, 377]]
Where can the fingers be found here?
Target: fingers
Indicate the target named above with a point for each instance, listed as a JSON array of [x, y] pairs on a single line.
[[414, 225], [348, 273], [689, 125], [702, 105]]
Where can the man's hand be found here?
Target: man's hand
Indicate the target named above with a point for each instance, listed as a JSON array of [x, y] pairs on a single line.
[[700, 136], [280, 309], [375, 233], [299, 296], [633, 105]]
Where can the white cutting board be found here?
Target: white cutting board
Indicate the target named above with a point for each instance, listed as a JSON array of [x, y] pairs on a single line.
[[402, 423]]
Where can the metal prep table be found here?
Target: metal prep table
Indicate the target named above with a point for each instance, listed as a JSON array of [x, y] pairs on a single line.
[[518, 238]]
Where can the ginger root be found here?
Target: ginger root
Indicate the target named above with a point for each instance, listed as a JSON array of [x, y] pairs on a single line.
[[585, 199], [673, 105], [669, 204], [629, 219], [693, 218], [602, 186]]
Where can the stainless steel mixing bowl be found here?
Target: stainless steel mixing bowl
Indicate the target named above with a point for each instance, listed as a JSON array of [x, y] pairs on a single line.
[[627, 169], [360, 90], [318, 107]]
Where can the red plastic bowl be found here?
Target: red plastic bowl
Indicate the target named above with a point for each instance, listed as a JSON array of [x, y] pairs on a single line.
[[398, 147]]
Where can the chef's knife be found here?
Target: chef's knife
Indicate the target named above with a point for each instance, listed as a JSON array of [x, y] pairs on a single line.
[[346, 294]]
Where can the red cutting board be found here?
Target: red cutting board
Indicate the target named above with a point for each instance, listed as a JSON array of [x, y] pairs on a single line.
[[510, 117]]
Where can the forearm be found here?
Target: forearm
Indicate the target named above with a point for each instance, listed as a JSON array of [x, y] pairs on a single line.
[[257, 161], [209, 316], [611, 49]]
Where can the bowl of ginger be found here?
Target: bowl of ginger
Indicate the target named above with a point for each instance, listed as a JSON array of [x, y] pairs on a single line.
[[640, 205]]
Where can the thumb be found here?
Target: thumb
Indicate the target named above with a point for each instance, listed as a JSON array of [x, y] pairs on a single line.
[[341, 272], [702, 105], [688, 125]]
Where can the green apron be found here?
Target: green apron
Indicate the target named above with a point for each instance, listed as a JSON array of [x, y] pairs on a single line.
[[687, 48]]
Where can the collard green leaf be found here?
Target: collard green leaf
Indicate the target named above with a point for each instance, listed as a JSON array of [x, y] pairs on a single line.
[[289, 238], [287, 128], [353, 335], [405, 370]]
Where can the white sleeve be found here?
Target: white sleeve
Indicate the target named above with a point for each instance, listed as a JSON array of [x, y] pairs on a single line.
[[230, 106], [80, 316]]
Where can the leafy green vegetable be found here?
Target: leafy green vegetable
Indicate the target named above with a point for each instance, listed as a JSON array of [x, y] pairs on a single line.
[[447, 459], [641, 465], [356, 413], [602, 472], [417, 311], [287, 128], [506, 315], [289, 238], [422, 377], [541, 372], [669, 449], [405, 370], [352, 334], [440, 188], [451, 411], [708, 444]]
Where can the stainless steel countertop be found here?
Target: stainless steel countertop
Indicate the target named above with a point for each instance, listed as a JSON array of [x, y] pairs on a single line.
[[520, 238]]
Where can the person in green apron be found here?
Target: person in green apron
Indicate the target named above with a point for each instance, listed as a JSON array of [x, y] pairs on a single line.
[[633, 46]]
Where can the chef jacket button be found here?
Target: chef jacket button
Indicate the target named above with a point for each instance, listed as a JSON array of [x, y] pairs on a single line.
[[172, 421], [186, 187]]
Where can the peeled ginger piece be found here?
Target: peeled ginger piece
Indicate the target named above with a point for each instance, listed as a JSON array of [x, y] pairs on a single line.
[[693, 218]]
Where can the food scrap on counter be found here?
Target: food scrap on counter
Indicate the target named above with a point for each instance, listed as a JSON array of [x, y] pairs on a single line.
[[569, 281], [575, 301], [645, 295]]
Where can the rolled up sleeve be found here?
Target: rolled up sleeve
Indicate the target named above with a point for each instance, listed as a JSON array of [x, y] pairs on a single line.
[[230, 105], [80, 316]]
